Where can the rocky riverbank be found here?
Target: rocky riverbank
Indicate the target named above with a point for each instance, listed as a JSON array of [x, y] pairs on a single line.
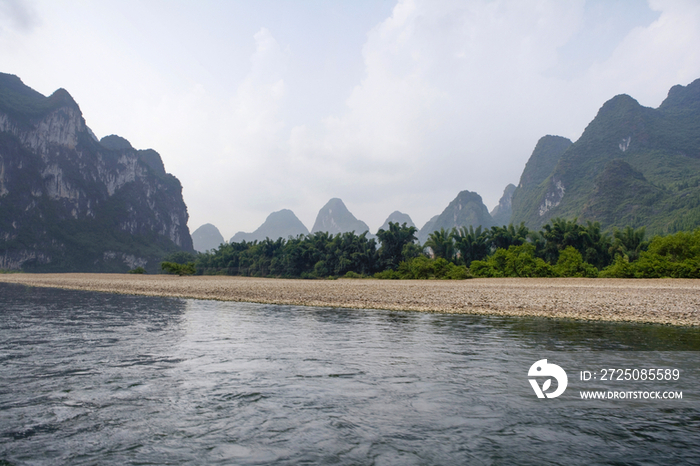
[[663, 301]]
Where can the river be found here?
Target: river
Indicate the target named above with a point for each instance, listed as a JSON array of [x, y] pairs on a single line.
[[89, 378]]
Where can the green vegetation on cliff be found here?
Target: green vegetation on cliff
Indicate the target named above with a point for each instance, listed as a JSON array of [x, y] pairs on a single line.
[[633, 166], [71, 203]]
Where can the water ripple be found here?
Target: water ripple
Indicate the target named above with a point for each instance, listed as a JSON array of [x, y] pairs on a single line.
[[103, 379]]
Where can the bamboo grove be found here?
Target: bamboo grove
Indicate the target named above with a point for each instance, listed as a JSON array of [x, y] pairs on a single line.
[[562, 248]]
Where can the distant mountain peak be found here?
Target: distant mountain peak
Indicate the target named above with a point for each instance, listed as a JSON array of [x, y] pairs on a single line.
[[467, 209], [206, 238], [114, 142], [62, 97], [399, 218], [682, 98], [632, 166], [334, 217], [280, 224]]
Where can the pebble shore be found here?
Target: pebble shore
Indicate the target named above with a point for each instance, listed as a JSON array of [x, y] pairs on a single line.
[[662, 301]]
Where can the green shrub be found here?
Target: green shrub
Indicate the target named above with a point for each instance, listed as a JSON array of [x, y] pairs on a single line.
[[179, 269], [388, 275], [621, 268], [138, 270], [457, 272], [571, 264], [422, 268], [672, 256], [516, 261]]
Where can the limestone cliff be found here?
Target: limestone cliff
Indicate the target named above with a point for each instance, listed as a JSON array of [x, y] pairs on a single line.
[[69, 202], [633, 166], [502, 212]]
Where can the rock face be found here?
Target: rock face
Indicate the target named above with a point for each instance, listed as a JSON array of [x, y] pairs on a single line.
[[206, 238], [502, 212], [397, 217], [281, 224], [632, 166], [467, 209], [335, 218], [529, 196], [69, 202]]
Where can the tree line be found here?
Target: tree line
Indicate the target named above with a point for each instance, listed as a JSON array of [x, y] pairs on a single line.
[[562, 248]]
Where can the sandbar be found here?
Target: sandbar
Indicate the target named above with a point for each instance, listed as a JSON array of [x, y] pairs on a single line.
[[659, 301]]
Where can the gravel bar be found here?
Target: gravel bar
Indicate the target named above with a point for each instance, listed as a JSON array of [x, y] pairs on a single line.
[[661, 301]]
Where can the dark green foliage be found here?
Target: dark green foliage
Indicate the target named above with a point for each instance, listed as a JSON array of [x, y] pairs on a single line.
[[559, 234], [393, 245], [588, 240], [628, 243], [620, 268], [441, 244], [571, 264], [178, 269], [507, 236], [317, 255], [322, 255], [423, 268], [672, 256], [472, 244], [563, 248], [516, 261], [138, 270], [180, 257]]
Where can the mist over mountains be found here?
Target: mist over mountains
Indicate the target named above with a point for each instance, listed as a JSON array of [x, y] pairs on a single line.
[[206, 238], [70, 202], [281, 224], [632, 166]]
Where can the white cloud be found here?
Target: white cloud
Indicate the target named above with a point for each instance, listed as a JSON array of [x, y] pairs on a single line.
[[652, 59], [456, 94], [17, 14], [443, 95], [441, 106]]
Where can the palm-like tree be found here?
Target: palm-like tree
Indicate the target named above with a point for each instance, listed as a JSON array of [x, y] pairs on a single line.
[[441, 243], [472, 244], [628, 242]]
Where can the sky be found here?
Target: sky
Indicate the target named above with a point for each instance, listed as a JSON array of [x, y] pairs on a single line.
[[262, 105]]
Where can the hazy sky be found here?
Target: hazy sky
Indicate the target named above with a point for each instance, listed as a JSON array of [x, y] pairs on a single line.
[[258, 106]]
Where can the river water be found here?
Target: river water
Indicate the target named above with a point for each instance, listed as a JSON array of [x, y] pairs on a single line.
[[89, 378]]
